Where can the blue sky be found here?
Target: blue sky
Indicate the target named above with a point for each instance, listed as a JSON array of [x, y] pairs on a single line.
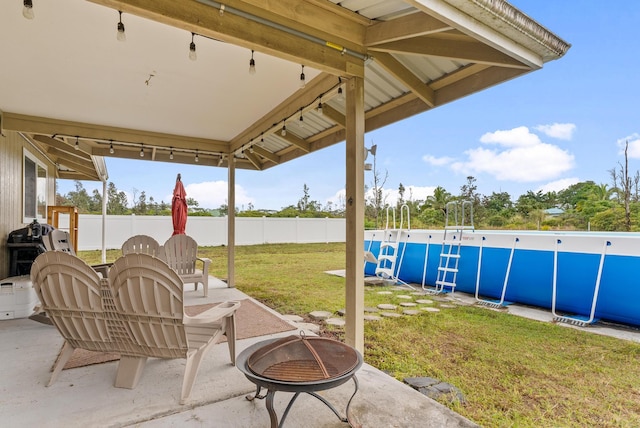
[[544, 131]]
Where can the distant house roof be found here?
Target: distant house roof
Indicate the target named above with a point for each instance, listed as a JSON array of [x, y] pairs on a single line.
[[554, 211]]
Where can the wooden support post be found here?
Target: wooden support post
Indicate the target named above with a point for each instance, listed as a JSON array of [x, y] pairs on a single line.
[[231, 223], [354, 334]]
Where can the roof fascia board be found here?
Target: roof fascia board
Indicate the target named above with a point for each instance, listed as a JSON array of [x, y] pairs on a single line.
[[474, 27]]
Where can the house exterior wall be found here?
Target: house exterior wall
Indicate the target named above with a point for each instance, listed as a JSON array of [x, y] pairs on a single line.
[[11, 192]]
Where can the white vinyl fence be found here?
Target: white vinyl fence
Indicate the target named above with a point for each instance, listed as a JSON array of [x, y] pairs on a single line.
[[207, 231]]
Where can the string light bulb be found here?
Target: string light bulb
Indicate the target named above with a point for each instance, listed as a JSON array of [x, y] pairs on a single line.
[[303, 80], [197, 159], [111, 150], [340, 94], [284, 129], [192, 49], [319, 109], [141, 151], [27, 10], [171, 153], [220, 160], [221, 9], [77, 146], [121, 35], [252, 64], [301, 120]]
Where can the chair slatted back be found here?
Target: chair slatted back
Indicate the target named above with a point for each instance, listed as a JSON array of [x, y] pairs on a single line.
[[141, 244], [181, 252], [71, 293], [148, 295], [58, 240]]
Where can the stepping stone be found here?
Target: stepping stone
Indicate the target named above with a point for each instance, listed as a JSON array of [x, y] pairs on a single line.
[[390, 314], [411, 312], [385, 292], [408, 304], [387, 306], [425, 301], [447, 306], [370, 309], [372, 318], [430, 309], [421, 382], [309, 326], [435, 389], [404, 296], [418, 293], [342, 312], [335, 321], [293, 318], [320, 315]]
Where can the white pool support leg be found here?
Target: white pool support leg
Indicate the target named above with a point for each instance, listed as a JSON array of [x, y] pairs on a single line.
[[596, 291], [500, 303], [426, 262], [554, 286], [373, 236], [479, 267]]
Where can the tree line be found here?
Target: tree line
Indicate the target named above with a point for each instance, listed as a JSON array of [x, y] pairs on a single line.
[[582, 206]]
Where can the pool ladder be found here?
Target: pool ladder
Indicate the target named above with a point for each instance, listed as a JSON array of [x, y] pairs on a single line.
[[451, 243], [392, 247]]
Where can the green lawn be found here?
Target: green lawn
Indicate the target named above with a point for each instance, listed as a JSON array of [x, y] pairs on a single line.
[[514, 372]]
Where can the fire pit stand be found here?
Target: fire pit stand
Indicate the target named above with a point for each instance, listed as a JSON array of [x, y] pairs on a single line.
[[290, 373]]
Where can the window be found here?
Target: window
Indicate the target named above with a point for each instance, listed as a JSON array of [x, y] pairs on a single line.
[[34, 186]]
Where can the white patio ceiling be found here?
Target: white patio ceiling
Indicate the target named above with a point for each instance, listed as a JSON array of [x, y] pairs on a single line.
[[66, 79]]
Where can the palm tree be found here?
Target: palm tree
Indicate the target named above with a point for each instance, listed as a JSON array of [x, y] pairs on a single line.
[[602, 192], [439, 199]]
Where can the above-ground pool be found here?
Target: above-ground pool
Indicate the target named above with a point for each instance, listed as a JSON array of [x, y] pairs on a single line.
[[579, 275]]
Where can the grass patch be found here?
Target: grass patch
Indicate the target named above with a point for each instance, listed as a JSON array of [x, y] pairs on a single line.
[[514, 372]]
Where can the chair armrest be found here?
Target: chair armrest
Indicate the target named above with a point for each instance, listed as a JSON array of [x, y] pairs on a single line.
[[205, 264], [214, 314]]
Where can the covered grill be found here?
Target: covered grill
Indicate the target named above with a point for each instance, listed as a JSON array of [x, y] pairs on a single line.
[[299, 364]]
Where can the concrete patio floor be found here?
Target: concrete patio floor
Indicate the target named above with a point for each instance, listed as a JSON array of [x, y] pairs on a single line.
[[85, 397]]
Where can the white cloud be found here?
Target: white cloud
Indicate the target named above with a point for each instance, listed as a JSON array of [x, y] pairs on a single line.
[[561, 131], [338, 200], [516, 137], [432, 160], [524, 158], [558, 185], [212, 194], [634, 145]]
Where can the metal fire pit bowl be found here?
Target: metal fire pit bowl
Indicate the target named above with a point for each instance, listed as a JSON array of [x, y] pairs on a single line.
[[299, 365]]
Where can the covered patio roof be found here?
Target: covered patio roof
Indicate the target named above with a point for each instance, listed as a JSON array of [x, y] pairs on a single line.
[[344, 68], [78, 93]]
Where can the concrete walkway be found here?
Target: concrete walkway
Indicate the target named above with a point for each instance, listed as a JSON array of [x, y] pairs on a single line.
[[85, 397]]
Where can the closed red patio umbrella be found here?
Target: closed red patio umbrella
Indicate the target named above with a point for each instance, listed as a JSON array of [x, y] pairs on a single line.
[[179, 208]]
